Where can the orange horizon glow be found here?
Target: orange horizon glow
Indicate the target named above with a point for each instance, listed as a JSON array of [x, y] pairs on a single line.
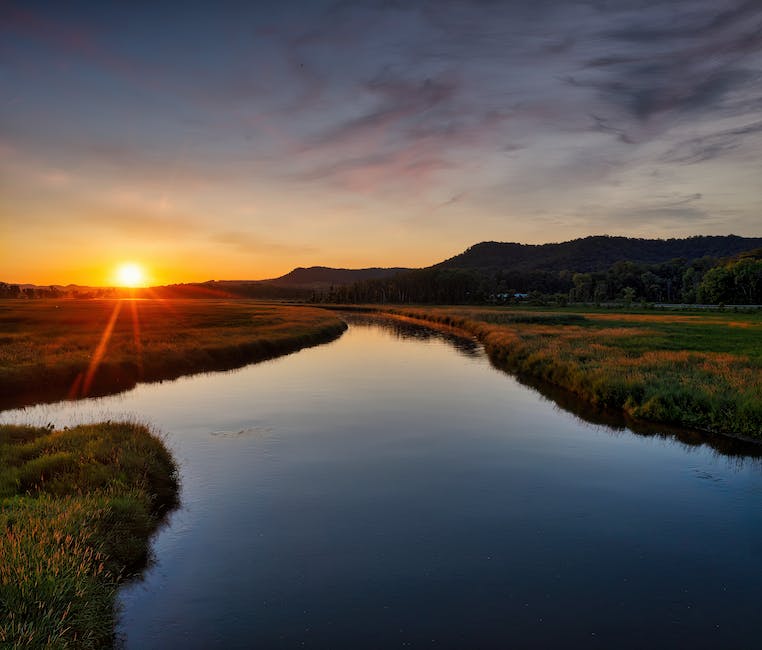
[[172, 266], [178, 264]]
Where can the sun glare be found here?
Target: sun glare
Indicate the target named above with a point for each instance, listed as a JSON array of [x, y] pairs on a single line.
[[130, 275]]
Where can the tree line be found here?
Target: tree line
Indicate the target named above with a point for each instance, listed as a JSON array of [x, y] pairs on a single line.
[[8, 290], [705, 280]]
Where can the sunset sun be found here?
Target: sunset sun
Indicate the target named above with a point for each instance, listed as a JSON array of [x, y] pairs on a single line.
[[130, 275]]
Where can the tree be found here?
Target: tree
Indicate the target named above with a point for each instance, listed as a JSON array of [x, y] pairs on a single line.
[[747, 279], [583, 285], [628, 295], [716, 287]]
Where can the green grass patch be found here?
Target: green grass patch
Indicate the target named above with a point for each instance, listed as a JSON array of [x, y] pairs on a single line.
[[699, 370], [77, 509]]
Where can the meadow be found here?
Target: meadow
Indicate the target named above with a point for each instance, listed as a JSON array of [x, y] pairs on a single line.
[[54, 349], [696, 370], [77, 509]]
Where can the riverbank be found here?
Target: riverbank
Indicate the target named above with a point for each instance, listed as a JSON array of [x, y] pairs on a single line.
[[77, 510], [54, 349], [702, 371]]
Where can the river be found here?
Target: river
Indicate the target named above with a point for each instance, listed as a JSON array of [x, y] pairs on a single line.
[[393, 489]]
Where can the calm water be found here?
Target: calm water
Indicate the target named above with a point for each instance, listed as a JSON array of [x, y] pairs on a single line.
[[392, 489]]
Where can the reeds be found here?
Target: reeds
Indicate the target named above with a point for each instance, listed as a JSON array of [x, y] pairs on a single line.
[[77, 510], [700, 371], [53, 349]]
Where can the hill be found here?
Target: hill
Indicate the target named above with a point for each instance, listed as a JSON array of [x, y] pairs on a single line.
[[596, 253], [320, 277], [297, 284], [597, 269]]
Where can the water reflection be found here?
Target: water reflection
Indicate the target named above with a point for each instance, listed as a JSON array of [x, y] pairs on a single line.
[[381, 491], [408, 329], [614, 420]]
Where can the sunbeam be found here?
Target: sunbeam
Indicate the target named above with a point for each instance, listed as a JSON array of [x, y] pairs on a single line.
[[101, 349]]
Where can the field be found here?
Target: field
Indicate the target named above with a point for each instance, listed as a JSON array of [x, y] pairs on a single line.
[[77, 508], [53, 349], [698, 370]]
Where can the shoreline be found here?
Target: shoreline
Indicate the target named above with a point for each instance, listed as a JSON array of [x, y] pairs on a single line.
[[46, 383], [504, 358]]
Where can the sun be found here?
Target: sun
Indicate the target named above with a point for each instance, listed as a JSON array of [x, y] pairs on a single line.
[[130, 274]]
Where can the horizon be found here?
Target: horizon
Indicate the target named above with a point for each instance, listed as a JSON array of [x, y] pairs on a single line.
[[140, 284], [245, 142]]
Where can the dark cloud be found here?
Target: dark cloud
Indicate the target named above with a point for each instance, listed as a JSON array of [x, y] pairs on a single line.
[[699, 149], [696, 63], [602, 125], [663, 82], [401, 102], [687, 214], [673, 211], [693, 22], [404, 170], [654, 89]]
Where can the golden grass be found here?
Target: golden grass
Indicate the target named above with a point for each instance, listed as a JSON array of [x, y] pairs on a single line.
[[54, 349], [701, 371]]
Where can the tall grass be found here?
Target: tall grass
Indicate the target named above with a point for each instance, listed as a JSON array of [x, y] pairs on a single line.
[[77, 508], [702, 371], [53, 349]]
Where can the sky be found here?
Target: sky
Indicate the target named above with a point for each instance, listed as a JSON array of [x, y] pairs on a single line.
[[238, 140]]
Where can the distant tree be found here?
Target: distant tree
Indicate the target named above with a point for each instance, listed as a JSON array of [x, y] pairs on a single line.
[[583, 285], [651, 286], [690, 283], [628, 295], [747, 279], [601, 291], [716, 287]]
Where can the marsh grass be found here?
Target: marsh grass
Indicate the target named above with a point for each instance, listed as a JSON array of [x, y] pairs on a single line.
[[697, 370], [53, 349], [77, 509]]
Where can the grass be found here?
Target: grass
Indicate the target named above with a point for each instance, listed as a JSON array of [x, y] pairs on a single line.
[[698, 370], [77, 508], [53, 349]]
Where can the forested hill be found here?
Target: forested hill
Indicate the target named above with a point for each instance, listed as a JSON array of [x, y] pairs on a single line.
[[324, 276], [709, 270], [596, 253]]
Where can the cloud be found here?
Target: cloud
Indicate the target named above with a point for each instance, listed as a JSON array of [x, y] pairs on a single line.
[[652, 217], [714, 145], [663, 216], [693, 22], [249, 242], [482, 76], [411, 168], [699, 62], [401, 103]]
